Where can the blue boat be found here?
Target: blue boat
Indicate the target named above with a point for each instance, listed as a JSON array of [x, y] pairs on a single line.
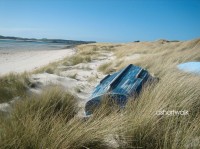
[[119, 87]]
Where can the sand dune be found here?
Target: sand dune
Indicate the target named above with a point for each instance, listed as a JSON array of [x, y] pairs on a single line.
[[80, 73], [81, 78]]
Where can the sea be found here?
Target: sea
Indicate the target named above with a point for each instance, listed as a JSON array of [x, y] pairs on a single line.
[[19, 45]]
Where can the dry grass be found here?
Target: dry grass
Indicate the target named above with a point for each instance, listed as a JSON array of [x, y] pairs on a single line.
[[51, 68], [106, 68], [77, 59], [159, 57], [13, 85], [92, 78], [84, 54], [145, 129], [47, 121], [32, 119], [50, 122]]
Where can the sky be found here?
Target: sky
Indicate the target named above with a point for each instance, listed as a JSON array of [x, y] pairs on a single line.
[[101, 20]]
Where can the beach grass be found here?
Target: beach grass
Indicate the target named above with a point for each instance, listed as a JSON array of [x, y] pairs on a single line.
[[146, 127], [13, 85], [105, 68], [50, 120], [51, 68], [77, 59]]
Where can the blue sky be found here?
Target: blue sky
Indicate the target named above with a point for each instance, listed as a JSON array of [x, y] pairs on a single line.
[[101, 20]]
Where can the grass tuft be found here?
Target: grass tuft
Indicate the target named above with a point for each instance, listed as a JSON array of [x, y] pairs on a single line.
[[33, 119], [76, 59], [13, 85], [106, 68]]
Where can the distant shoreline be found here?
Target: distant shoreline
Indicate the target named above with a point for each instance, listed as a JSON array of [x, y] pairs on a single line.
[[76, 42]]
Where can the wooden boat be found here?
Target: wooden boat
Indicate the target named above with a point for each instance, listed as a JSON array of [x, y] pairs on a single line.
[[118, 86]]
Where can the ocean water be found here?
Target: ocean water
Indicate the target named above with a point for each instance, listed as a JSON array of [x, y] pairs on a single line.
[[17, 45]]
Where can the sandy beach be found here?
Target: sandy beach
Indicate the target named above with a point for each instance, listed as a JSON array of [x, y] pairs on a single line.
[[97, 74], [20, 61], [69, 84], [79, 79]]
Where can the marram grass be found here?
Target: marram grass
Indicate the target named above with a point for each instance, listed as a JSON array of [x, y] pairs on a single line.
[[50, 120]]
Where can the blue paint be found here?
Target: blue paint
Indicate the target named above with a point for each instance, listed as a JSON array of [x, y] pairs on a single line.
[[118, 86], [191, 67]]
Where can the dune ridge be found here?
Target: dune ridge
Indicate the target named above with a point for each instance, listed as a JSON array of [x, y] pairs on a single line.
[[137, 126]]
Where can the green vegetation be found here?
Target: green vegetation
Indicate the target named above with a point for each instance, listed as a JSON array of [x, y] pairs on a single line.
[[76, 59], [33, 121], [13, 85], [145, 129], [50, 120]]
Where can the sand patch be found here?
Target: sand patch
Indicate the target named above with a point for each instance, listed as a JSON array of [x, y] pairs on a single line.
[[30, 60]]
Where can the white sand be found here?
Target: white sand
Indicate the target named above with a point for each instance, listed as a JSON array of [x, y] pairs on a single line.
[[79, 79], [29, 60], [85, 78]]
